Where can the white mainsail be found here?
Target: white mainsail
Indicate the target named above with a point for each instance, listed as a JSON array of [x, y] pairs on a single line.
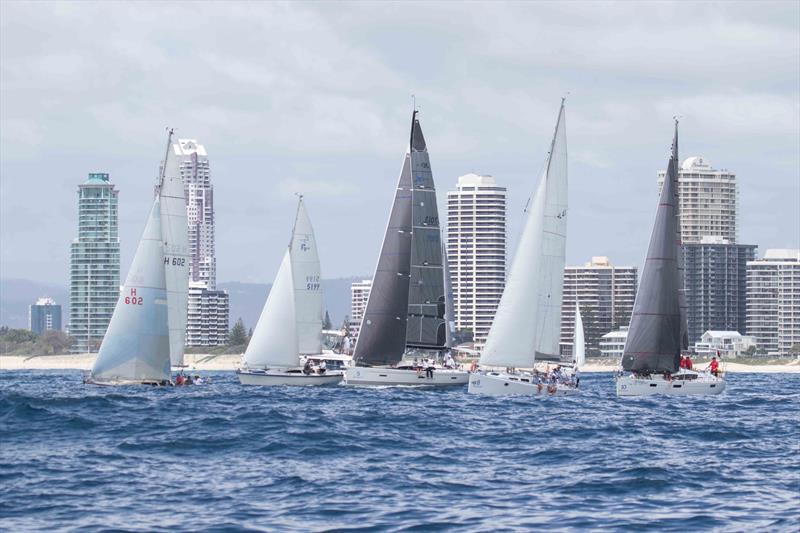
[[175, 234], [578, 341], [136, 344], [307, 284], [528, 319], [274, 342]]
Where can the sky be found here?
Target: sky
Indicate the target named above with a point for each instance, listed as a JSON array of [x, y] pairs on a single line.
[[316, 98]]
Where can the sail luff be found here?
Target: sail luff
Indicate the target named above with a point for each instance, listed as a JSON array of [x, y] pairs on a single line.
[[655, 333], [307, 285], [136, 344], [578, 341], [679, 244], [449, 312], [274, 342]]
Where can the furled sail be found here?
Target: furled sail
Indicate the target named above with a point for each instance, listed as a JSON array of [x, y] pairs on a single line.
[[175, 234], [578, 341], [528, 319], [426, 327], [655, 334], [307, 285], [382, 338], [136, 344], [274, 342]]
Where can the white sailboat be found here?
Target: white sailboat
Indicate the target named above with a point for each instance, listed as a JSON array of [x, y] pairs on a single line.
[[291, 321], [527, 324], [578, 341], [657, 332], [143, 335], [406, 306]]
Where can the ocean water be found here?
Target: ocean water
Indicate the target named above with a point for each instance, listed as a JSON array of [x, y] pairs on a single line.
[[223, 457]]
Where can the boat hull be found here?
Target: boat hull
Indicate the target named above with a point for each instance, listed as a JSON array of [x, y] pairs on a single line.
[[703, 384], [127, 382], [388, 377], [502, 384], [267, 378]]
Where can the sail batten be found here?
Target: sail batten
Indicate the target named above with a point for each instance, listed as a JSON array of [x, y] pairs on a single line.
[[527, 323]]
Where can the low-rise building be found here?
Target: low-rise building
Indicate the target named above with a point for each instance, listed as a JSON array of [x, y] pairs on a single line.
[[612, 344], [725, 344], [44, 315]]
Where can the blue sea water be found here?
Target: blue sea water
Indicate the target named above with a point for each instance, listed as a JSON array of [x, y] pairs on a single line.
[[224, 457]]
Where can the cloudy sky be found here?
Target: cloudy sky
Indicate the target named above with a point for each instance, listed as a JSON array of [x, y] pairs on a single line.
[[315, 98]]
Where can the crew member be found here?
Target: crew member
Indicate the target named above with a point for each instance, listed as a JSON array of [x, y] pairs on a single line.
[[714, 366]]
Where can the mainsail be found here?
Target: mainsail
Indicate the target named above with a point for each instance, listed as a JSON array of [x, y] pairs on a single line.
[[136, 344], [175, 234], [656, 332], [578, 341], [382, 338], [274, 342], [426, 327], [307, 285], [528, 319]]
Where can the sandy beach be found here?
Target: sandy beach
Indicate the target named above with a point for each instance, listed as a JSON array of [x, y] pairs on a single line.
[[229, 362]]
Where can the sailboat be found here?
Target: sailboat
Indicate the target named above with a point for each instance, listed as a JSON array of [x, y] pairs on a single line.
[[291, 321], [578, 341], [527, 324], [657, 332], [405, 313], [143, 336]]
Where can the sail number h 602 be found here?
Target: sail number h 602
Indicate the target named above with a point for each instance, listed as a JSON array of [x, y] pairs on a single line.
[[132, 299]]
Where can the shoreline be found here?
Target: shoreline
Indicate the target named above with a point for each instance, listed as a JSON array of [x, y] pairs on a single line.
[[229, 362]]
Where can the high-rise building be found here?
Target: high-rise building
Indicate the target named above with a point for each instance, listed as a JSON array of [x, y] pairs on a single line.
[[476, 252], [44, 315], [359, 294], [208, 308], [773, 302], [606, 294], [94, 263], [708, 201], [715, 277]]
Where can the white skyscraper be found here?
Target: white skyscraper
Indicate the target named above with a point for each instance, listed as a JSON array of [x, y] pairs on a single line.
[[773, 301], [476, 252], [359, 294], [207, 322], [708, 201]]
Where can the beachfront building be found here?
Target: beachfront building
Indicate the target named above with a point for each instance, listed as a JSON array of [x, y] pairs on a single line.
[[208, 316], [94, 263], [476, 252], [708, 201], [606, 294], [44, 315], [715, 277], [359, 294], [773, 302], [612, 344], [725, 344]]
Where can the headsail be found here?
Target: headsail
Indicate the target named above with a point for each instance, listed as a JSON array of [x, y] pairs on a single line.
[[449, 312], [382, 338], [175, 234], [274, 341], [307, 285], [578, 341], [528, 319], [656, 331], [136, 345], [426, 326]]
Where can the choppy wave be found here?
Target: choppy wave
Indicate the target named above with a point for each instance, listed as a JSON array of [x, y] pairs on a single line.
[[226, 457]]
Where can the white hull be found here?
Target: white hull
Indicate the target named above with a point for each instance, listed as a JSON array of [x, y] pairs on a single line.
[[696, 384], [383, 376], [126, 382], [277, 378], [502, 384]]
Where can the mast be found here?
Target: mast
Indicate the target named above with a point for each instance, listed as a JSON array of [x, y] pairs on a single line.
[[657, 326]]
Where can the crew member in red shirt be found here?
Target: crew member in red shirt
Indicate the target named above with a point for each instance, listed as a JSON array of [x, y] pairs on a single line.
[[683, 361], [714, 366], [688, 363]]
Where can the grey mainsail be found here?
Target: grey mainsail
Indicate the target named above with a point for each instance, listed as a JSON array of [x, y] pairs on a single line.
[[426, 327], [382, 339], [655, 336]]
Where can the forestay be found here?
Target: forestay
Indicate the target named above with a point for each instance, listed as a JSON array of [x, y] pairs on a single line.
[[136, 344], [274, 341], [528, 319], [307, 285]]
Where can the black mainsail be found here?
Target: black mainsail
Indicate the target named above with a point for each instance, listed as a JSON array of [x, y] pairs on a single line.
[[426, 326], [657, 329]]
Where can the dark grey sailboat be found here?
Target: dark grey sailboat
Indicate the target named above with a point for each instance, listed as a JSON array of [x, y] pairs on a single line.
[[406, 305], [657, 332]]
